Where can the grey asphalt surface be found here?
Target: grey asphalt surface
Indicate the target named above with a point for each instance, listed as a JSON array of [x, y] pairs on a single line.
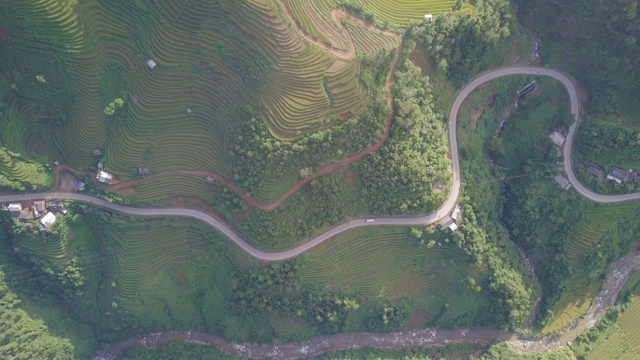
[[430, 218]]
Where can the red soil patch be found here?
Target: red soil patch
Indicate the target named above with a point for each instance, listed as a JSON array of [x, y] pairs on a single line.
[[346, 115], [475, 116], [553, 104], [636, 247], [491, 100], [245, 214], [4, 35], [417, 320], [48, 114], [417, 57], [192, 203], [183, 279]]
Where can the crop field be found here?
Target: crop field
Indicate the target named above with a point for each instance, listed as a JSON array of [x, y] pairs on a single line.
[[388, 263], [214, 62], [624, 342], [174, 185], [597, 222], [401, 11], [15, 172], [368, 42], [141, 249], [398, 12]]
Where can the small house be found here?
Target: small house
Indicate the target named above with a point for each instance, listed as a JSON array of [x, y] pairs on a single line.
[[38, 205], [448, 222], [209, 179], [428, 17], [38, 208], [17, 207], [595, 170], [557, 138], [563, 182], [618, 175], [144, 171], [55, 207], [455, 215], [97, 152], [104, 177], [47, 221], [189, 110], [151, 64], [24, 215], [80, 186]]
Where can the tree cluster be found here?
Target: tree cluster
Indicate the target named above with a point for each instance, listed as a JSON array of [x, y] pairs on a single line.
[[110, 109], [402, 174], [22, 336], [514, 298], [458, 43], [598, 40], [274, 288]]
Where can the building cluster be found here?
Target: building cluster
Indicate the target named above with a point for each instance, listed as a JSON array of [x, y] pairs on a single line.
[[28, 211], [452, 221], [615, 174]]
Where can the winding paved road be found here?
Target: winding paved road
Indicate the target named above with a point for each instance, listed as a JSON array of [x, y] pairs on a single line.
[[430, 218]]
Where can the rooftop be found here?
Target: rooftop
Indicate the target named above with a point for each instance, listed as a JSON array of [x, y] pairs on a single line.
[[144, 170], [557, 138], [563, 182], [48, 220], [151, 64], [595, 170], [618, 175]]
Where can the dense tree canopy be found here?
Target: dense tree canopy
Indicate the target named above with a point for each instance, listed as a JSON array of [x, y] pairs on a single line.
[[457, 43], [402, 175], [598, 41]]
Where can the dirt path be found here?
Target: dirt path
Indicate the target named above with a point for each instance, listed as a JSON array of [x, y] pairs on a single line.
[[617, 277]]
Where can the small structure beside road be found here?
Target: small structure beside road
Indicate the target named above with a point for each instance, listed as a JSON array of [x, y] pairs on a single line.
[[563, 182], [618, 175], [14, 208], [448, 222], [557, 138], [104, 177], [595, 170], [47, 221], [209, 179]]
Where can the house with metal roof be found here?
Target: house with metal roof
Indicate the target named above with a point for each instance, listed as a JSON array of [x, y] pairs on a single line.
[[557, 138], [563, 182], [618, 175], [595, 170], [104, 177]]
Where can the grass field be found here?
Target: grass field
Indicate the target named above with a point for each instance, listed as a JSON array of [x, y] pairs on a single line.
[[387, 264]]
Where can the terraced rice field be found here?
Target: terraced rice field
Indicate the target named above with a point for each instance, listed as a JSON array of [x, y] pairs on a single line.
[[401, 11], [368, 42], [387, 262], [598, 221], [202, 50], [623, 344], [16, 171], [145, 248], [174, 185]]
